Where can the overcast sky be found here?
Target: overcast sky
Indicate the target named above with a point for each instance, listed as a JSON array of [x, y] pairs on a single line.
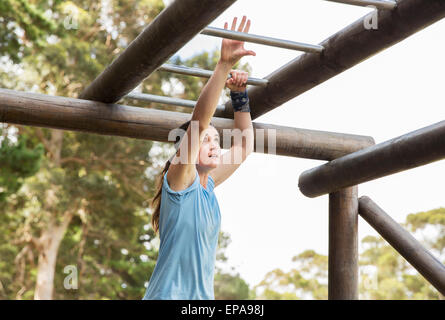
[[394, 92]]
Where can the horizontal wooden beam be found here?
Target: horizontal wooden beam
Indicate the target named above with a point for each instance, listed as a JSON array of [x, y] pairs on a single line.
[[379, 4], [408, 151], [401, 240], [343, 50], [113, 119], [176, 25]]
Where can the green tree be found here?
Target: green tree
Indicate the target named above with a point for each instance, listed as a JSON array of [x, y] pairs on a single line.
[[24, 25], [384, 273], [17, 162], [228, 285], [308, 280], [87, 205], [393, 277], [90, 187]]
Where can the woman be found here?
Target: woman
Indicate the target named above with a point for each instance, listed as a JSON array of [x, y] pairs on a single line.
[[186, 212]]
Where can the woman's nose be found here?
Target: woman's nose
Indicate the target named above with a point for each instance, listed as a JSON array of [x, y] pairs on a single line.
[[214, 146]]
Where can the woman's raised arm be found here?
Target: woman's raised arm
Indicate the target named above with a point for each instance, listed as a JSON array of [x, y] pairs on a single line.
[[181, 173]]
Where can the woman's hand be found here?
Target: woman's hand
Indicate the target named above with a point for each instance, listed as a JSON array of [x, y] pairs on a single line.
[[233, 50], [238, 81]]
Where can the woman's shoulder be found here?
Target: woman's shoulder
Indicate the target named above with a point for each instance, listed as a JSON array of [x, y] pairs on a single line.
[[194, 185]]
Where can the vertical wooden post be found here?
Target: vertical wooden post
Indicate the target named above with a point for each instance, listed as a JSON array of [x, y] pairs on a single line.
[[343, 244]]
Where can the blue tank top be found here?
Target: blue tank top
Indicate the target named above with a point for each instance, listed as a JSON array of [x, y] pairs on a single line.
[[189, 225]]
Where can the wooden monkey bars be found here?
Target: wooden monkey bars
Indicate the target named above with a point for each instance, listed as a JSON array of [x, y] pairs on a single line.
[[353, 159], [113, 119], [342, 51]]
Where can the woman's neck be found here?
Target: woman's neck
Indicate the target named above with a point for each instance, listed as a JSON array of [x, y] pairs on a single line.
[[203, 178]]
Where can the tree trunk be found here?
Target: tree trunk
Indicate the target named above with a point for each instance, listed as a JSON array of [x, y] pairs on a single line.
[[51, 237], [48, 248], [56, 146]]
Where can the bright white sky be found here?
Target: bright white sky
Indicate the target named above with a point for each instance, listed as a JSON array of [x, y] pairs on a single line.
[[396, 91]]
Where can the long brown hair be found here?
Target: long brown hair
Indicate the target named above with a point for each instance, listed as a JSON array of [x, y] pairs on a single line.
[[156, 200]]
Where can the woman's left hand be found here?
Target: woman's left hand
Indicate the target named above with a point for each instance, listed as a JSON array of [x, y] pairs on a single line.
[[238, 81]]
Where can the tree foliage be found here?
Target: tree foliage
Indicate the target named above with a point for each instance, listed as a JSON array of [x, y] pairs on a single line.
[[308, 280], [97, 187], [17, 162], [24, 25], [384, 273]]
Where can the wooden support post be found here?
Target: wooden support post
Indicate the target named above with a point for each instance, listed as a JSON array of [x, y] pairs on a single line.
[[343, 245], [401, 240]]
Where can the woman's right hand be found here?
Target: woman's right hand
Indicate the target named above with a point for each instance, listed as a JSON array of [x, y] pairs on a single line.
[[238, 81], [233, 50]]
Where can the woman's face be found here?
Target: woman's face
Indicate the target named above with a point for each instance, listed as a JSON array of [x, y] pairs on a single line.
[[210, 151]]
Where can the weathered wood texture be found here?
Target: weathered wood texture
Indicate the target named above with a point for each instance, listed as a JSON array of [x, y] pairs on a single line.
[[176, 25], [343, 245], [408, 151], [113, 119], [401, 240], [380, 4]]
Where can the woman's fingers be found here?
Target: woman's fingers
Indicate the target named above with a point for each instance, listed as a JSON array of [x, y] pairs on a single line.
[[241, 26], [234, 78], [246, 29], [238, 78], [234, 23], [229, 82], [241, 78]]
